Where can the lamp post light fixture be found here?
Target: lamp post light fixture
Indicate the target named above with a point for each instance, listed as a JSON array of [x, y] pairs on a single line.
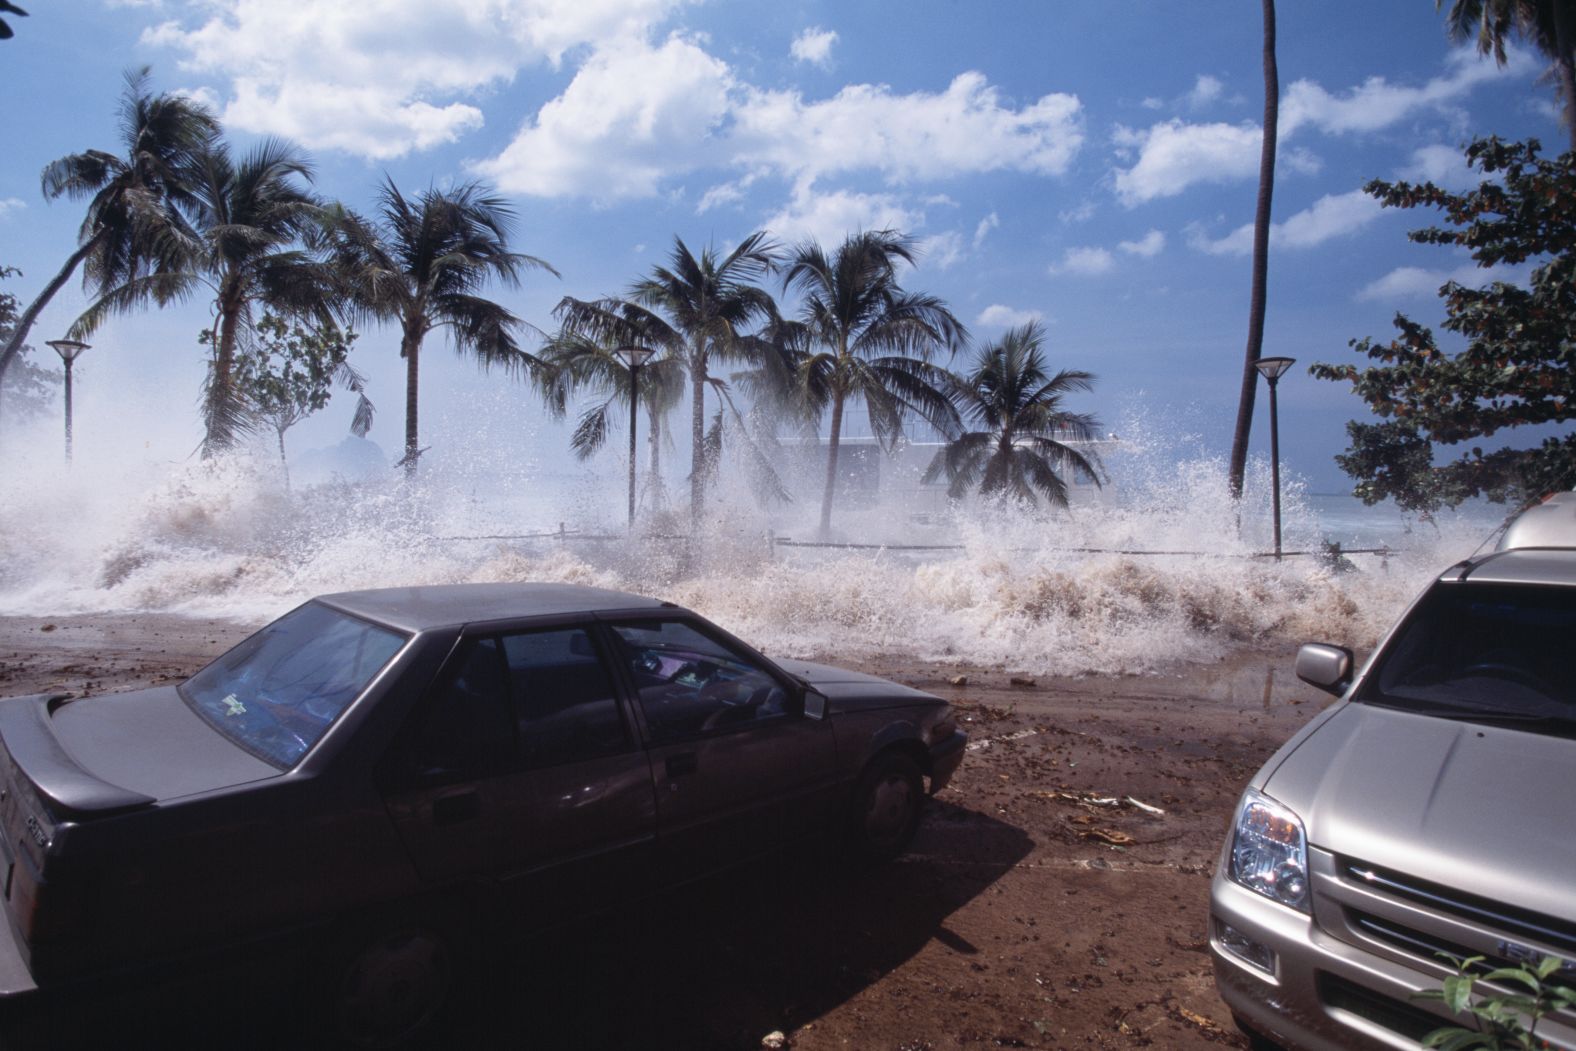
[[633, 358], [1272, 369], [69, 350]]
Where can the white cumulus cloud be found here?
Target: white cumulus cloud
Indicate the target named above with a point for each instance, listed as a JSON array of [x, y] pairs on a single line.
[[1376, 103], [633, 116], [998, 315], [814, 46], [1086, 261], [963, 130], [828, 218], [8, 205], [1146, 247], [1331, 216], [380, 78], [986, 225], [1413, 282]]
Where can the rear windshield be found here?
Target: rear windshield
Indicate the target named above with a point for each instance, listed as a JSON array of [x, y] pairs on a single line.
[[1501, 651], [278, 692]]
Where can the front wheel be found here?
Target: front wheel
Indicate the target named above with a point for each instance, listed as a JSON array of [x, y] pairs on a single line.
[[390, 984], [886, 807]]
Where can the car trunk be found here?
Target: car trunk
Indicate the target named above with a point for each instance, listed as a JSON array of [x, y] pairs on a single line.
[[66, 765]]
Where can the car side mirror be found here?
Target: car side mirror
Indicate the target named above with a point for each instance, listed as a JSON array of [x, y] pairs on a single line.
[[1325, 666], [814, 705]]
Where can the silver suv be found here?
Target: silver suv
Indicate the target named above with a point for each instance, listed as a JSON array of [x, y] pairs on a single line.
[[1430, 813]]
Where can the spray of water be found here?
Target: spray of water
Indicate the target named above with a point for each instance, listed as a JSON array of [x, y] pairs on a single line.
[[1072, 592]]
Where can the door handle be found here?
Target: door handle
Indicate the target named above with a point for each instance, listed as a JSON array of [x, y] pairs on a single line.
[[681, 764], [452, 810]]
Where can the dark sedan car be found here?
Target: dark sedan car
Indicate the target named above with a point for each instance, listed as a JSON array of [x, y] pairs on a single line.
[[394, 776]]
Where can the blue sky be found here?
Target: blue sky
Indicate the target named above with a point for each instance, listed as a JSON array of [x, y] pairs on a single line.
[[1092, 165]]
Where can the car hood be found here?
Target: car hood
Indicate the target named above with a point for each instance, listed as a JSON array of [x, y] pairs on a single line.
[[1475, 807], [852, 689], [113, 751]]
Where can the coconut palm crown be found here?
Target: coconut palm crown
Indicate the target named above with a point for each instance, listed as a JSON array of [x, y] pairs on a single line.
[[697, 311], [1549, 25], [864, 338], [1019, 448], [424, 263], [253, 217], [136, 221]]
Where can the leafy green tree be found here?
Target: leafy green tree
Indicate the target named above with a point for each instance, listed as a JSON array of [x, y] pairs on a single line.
[[25, 386], [868, 340], [1019, 448], [699, 310], [1248, 391], [1518, 365], [423, 263], [288, 372], [136, 221], [254, 218], [1549, 25]]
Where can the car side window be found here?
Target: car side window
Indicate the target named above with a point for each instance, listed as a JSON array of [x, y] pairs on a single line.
[[689, 683], [468, 730], [564, 706]]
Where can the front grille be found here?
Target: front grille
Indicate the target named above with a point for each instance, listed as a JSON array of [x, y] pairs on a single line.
[[1414, 1023], [1428, 946], [1558, 934]]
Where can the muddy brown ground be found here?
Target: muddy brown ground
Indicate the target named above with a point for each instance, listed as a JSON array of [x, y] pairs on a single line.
[[1029, 913]]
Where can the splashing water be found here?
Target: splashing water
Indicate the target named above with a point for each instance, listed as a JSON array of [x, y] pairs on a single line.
[[1061, 593]]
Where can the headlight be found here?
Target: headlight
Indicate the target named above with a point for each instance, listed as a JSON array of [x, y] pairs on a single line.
[[1269, 853]]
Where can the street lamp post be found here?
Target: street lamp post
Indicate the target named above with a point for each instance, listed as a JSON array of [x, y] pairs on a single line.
[[633, 358], [69, 350], [1272, 369]]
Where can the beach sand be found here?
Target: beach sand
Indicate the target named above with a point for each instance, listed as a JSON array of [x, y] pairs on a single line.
[[1027, 914]]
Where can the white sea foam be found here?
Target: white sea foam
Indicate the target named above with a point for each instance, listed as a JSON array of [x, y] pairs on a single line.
[[1061, 593]]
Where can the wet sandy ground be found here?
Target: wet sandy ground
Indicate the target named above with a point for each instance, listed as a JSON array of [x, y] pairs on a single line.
[[1031, 912]]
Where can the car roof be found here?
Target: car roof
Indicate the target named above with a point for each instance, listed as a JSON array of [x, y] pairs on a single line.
[[1527, 565], [1551, 523], [430, 606]]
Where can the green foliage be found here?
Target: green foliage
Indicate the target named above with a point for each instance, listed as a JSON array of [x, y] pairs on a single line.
[[1505, 1021], [288, 372], [25, 386], [1518, 367]]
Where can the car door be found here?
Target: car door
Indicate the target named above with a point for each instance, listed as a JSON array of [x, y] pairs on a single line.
[[738, 767], [523, 769]]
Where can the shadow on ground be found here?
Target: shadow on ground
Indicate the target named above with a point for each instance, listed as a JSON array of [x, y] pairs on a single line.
[[718, 964]]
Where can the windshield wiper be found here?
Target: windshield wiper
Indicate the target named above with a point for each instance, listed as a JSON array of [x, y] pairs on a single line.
[[1515, 720]]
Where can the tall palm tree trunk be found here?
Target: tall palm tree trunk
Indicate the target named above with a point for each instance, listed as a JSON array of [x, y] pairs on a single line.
[[283, 463], [1261, 245], [699, 467], [24, 323], [221, 394], [654, 441], [410, 346], [831, 462], [1565, 62]]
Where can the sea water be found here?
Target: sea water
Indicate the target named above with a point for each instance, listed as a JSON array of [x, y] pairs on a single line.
[[1165, 568]]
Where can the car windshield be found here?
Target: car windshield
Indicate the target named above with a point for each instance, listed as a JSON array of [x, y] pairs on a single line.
[[278, 692], [1500, 652]]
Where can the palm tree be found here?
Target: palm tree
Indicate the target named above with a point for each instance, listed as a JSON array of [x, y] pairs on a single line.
[[1550, 25], [135, 223], [252, 217], [874, 341], [576, 364], [698, 311], [1020, 449], [424, 264], [1261, 258]]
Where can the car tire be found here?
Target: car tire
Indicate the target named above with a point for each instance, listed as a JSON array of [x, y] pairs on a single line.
[[886, 807], [388, 983]]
